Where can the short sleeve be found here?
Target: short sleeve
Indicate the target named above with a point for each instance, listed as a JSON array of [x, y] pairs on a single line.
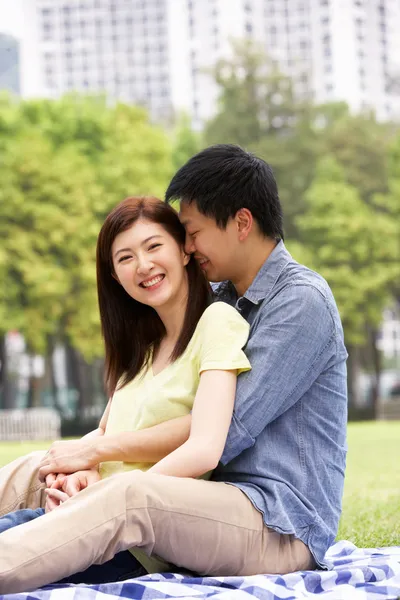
[[222, 333]]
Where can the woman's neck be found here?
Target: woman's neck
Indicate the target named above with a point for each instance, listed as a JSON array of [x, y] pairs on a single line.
[[173, 316]]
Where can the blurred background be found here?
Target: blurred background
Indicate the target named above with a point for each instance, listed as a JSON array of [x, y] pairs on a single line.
[[101, 99]]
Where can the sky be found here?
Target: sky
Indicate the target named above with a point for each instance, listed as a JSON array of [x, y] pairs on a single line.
[[11, 16]]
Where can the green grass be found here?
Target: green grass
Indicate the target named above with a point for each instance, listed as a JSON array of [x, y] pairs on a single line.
[[371, 504]]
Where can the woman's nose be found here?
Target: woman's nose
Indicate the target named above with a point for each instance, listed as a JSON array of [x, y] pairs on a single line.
[[144, 266]]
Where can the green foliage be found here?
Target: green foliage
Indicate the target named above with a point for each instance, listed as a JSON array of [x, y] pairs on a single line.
[[185, 143], [343, 239], [63, 165]]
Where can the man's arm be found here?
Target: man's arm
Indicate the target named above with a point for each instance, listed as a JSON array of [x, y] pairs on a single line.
[[146, 445], [288, 349]]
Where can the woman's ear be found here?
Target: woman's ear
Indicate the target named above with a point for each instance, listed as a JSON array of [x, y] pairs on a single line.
[[115, 277]]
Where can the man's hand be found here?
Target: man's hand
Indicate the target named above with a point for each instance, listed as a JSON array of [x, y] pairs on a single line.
[[69, 457]]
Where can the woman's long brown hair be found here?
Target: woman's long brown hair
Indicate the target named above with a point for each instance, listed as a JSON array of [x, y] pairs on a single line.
[[131, 329]]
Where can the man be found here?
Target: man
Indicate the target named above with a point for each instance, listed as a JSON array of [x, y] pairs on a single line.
[[284, 458]]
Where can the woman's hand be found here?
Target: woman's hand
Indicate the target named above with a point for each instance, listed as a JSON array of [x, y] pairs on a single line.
[[54, 499], [69, 456], [66, 486], [76, 482]]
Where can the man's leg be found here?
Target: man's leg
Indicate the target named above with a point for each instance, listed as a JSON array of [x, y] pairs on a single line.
[[19, 484], [203, 526]]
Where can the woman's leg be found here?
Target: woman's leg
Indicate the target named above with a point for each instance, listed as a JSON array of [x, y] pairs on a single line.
[[202, 526], [19, 484]]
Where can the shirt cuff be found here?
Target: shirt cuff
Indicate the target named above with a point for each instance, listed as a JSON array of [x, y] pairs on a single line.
[[238, 440]]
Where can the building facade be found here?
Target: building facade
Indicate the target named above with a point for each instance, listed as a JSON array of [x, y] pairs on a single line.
[[159, 52], [9, 64]]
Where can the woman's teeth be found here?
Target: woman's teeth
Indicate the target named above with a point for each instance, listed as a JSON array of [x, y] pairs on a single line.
[[152, 282]]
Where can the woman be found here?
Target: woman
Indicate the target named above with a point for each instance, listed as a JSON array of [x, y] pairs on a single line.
[[169, 351]]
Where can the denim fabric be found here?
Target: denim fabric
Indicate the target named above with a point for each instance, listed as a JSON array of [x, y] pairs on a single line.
[[286, 447], [18, 517], [123, 566]]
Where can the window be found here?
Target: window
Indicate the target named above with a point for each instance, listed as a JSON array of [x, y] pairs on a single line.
[[249, 28]]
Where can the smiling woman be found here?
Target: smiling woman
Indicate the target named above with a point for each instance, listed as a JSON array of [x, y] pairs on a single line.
[[144, 278], [170, 354]]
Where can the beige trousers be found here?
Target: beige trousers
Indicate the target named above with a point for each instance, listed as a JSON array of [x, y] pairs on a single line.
[[204, 526]]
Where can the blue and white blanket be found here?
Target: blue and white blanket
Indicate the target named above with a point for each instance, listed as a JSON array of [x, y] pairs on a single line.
[[357, 574]]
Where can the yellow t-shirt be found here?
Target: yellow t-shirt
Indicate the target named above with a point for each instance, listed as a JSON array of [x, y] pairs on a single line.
[[150, 399]]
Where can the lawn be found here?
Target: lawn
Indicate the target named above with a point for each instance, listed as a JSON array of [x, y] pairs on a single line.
[[371, 506]]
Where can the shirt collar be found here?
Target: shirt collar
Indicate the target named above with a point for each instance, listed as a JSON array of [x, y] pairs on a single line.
[[265, 279]]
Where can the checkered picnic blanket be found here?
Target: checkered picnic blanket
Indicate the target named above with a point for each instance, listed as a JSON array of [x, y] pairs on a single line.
[[357, 574]]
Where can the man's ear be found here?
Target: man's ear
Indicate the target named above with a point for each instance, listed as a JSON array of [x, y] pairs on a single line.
[[186, 258], [244, 223]]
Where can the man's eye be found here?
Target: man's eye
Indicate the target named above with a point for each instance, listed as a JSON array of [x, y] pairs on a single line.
[[153, 246], [193, 235]]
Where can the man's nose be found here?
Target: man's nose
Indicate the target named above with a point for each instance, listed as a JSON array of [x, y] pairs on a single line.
[[189, 244]]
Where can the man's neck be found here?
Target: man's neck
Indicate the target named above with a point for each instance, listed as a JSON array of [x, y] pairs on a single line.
[[253, 259]]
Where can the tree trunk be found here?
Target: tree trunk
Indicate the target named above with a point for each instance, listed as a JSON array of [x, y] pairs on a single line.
[[6, 391], [353, 372], [34, 399], [79, 377], [376, 363], [50, 373]]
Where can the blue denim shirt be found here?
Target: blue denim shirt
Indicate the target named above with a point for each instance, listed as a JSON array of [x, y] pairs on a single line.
[[286, 447]]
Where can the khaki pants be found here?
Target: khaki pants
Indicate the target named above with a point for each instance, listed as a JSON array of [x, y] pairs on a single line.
[[204, 526]]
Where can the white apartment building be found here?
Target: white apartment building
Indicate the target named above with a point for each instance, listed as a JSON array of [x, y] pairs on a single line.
[[157, 52]]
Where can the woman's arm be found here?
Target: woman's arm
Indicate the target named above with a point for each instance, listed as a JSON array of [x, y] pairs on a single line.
[[211, 418], [146, 445]]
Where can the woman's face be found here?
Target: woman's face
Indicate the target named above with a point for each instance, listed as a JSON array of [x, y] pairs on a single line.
[[150, 265]]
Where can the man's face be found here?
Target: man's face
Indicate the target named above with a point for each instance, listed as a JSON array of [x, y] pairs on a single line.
[[215, 249]]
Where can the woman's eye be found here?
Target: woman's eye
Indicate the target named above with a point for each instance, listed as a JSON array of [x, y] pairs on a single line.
[[124, 258], [153, 246]]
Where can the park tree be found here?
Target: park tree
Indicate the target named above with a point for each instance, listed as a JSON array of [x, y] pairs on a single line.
[[63, 165], [185, 141], [356, 248], [259, 110]]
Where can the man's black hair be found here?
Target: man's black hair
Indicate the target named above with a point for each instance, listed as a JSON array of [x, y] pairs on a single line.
[[224, 178]]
